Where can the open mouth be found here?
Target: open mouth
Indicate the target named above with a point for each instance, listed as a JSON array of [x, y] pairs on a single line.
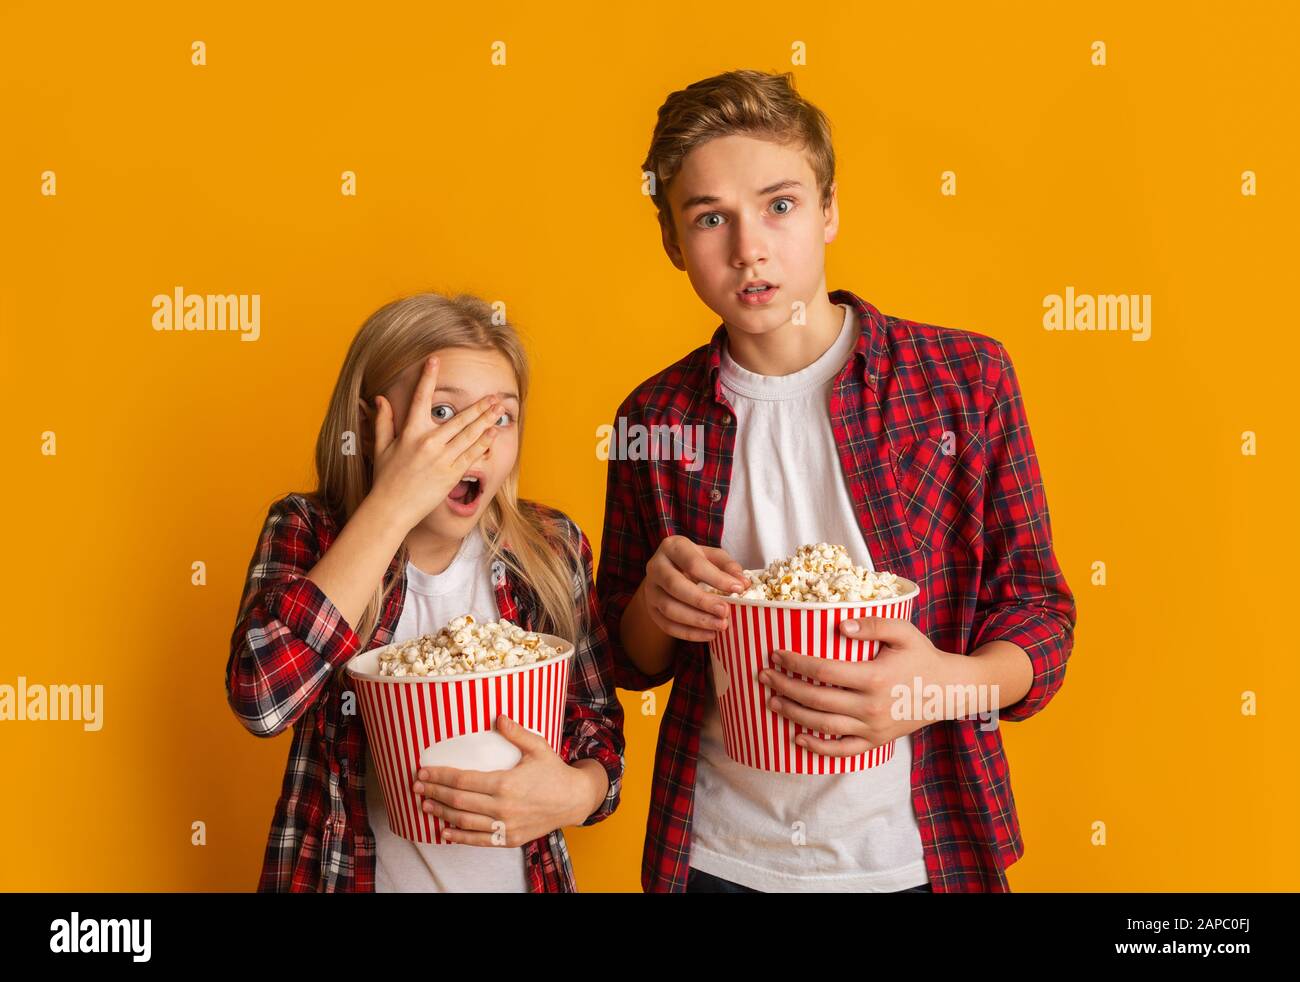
[[758, 293], [467, 491]]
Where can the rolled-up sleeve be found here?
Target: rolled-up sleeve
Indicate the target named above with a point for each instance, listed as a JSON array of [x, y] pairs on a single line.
[[288, 635], [1023, 596], [593, 726]]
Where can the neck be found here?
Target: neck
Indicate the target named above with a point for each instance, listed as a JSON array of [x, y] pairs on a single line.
[[429, 552], [791, 346]]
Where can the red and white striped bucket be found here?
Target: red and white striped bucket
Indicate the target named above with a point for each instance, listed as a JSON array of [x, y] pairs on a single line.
[[407, 717], [753, 734]]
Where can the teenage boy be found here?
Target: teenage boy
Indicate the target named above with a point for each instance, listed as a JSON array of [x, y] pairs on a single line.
[[823, 420]]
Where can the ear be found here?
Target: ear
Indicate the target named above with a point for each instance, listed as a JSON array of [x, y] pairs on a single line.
[[832, 212], [366, 412]]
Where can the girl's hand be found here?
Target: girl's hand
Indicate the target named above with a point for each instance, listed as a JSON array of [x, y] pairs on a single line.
[[538, 795], [675, 601], [416, 470]]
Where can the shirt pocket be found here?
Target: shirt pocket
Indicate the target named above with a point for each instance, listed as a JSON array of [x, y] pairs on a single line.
[[940, 477]]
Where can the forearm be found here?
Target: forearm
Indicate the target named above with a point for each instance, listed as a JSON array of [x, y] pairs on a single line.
[[646, 644], [354, 565], [998, 663]]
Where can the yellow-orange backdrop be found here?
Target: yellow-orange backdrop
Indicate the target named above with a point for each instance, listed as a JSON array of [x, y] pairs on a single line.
[[520, 182]]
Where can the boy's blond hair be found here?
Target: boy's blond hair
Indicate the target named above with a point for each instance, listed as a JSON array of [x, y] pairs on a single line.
[[760, 104]]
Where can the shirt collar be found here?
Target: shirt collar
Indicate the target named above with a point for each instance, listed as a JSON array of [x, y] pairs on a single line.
[[869, 349]]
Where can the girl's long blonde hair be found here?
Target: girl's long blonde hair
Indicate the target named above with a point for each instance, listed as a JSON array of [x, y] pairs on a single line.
[[396, 336]]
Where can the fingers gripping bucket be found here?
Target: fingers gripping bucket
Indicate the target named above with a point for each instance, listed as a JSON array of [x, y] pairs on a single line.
[[417, 721], [753, 734]]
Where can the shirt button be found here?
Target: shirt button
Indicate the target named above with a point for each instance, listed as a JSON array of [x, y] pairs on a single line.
[[715, 495], [872, 379], [536, 857]]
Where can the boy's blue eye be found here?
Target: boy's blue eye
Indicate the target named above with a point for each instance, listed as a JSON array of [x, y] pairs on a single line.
[[704, 223], [451, 411]]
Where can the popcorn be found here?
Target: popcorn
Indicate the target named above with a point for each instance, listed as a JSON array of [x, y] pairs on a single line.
[[821, 573], [465, 646]]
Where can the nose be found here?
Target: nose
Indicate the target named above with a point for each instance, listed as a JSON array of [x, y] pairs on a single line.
[[749, 247]]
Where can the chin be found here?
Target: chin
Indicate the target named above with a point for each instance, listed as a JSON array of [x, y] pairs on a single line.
[[755, 321]]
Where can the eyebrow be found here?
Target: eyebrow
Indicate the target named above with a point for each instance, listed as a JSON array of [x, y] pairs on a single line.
[[709, 199], [460, 392]]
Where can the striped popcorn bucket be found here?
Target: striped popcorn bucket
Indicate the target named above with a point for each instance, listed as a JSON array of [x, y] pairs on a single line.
[[752, 733], [448, 721]]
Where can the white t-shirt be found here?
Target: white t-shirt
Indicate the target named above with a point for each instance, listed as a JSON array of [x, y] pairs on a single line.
[[403, 866], [858, 830]]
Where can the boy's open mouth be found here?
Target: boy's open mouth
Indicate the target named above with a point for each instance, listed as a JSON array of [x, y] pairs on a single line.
[[757, 293], [467, 491]]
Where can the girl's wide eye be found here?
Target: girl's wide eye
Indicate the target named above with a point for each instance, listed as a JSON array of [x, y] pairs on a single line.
[[439, 415]]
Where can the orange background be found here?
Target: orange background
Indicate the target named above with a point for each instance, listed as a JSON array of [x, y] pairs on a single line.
[[521, 183]]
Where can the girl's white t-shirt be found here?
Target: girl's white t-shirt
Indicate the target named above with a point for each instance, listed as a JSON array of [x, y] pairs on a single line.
[[797, 832], [403, 866]]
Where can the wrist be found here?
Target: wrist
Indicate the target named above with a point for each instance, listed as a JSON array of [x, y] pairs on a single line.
[[957, 669], [382, 518], [591, 784], [648, 646]]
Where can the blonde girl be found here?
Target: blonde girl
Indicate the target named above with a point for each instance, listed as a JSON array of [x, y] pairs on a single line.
[[416, 519]]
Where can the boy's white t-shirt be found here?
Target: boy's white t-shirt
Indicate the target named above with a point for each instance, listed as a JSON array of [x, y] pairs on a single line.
[[403, 866], [797, 832]]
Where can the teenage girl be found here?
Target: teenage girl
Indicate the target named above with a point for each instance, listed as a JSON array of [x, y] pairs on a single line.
[[415, 520]]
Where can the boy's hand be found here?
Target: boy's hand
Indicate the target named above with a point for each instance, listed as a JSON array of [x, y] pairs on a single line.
[[860, 710], [538, 795], [675, 601]]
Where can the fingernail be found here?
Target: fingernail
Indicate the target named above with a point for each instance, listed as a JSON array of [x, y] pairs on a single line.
[[851, 627], [776, 658], [737, 587]]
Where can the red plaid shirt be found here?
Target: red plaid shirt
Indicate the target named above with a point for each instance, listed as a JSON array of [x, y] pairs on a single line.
[[971, 528], [285, 669]]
